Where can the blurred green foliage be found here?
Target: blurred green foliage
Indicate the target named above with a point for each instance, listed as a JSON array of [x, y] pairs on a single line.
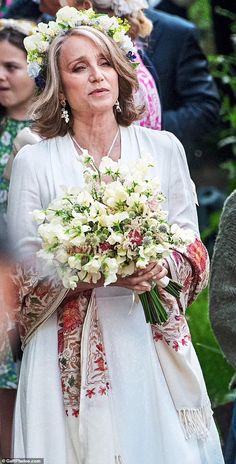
[[216, 370], [200, 14]]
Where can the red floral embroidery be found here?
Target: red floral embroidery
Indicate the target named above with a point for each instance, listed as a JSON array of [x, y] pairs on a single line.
[[157, 336], [90, 393], [60, 341], [102, 391], [75, 412], [101, 363], [185, 340], [71, 316], [175, 345], [197, 250]]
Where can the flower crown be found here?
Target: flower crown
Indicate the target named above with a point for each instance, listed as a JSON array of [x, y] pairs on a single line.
[[20, 25], [69, 18]]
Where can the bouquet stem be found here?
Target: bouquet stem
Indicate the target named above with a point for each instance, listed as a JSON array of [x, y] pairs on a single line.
[[154, 310]]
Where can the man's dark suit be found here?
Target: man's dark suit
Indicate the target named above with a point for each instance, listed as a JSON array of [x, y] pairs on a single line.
[[190, 100]]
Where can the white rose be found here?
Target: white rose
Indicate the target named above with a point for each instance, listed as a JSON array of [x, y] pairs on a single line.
[[32, 42], [42, 27], [68, 15], [33, 70]]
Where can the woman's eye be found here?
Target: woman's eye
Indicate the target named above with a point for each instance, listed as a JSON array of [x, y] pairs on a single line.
[[105, 63], [79, 68], [11, 67]]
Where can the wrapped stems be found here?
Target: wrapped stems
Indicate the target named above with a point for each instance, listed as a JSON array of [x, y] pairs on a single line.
[[154, 310]]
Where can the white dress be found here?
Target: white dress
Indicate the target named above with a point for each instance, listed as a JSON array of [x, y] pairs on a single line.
[[137, 423]]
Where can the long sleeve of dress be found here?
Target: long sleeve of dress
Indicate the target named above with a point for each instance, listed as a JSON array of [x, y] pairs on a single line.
[[34, 293], [191, 267]]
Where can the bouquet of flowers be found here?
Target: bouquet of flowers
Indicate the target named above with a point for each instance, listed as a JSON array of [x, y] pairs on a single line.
[[110, 229]]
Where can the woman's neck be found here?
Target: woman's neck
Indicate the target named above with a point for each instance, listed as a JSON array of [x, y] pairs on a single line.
[[96, 134]]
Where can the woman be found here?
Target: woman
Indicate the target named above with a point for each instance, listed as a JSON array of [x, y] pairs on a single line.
[[116, 395], [16, 92], [140, 30]]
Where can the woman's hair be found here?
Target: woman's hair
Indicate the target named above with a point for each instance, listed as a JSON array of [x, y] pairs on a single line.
[[16, 38], [46, 115], [140, 25]]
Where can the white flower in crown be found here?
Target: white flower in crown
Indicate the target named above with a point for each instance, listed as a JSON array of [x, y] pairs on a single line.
[[67, 16], [23, 26], [38, 43], [43, 28], [126, 43], [53, 29], [33, 70], [107, 22]]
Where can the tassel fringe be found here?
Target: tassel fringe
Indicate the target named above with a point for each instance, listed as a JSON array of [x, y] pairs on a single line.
[[196, 422]]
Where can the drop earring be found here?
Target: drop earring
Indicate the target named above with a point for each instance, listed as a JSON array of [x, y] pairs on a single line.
[[64, 112], [117, 106]]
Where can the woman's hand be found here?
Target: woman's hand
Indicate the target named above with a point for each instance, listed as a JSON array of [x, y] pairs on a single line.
[[141, 281]]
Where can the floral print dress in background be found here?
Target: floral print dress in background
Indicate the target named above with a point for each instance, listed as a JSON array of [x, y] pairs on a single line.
[[8, 377]]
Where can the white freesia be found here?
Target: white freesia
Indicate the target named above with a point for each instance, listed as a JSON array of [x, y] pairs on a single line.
[[115, 238], [50, 233], [110, 269], [68, 279], [62, 256], [136, 199], [110, 220], [75, 262], [93, 266], [108, 164], [115, 193], [39, 216], [180, 234], [128, 269]]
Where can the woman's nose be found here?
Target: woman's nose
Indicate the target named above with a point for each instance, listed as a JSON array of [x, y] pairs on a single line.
[[2, 74], [96, 75]]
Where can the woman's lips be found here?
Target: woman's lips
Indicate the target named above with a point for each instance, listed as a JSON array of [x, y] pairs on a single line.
[[97, 91]]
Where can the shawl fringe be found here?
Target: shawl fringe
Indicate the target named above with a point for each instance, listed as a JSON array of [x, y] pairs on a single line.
[[196, 422]]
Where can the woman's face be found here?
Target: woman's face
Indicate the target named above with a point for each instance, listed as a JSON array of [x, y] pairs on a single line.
[[89, 82], [16, 87]]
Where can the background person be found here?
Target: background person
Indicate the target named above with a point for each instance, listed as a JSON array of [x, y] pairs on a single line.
[[114, 408], [222, 300], [16, 92]]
